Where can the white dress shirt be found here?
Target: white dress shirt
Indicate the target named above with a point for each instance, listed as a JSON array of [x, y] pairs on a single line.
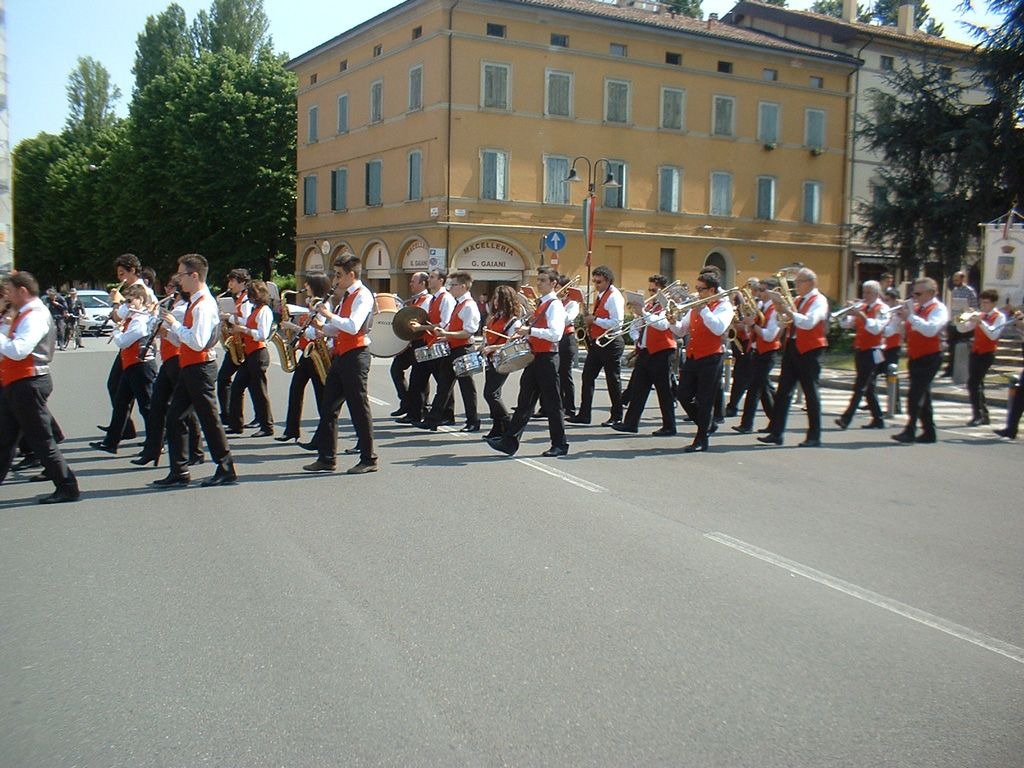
[[362, 306], [873, 325], [205, 321], [993, 330], [616, 307], [139, 327], [264, 322], [555, 314], [927, 326], [770, 330], [468, 310], [33, 328], [572, 310], [817, 311], [716, 320]]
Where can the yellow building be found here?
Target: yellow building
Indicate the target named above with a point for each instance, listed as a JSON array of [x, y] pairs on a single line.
[[444, 130]]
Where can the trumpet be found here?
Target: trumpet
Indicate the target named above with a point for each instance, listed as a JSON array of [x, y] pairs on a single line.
[[841, 313], [969, 314]]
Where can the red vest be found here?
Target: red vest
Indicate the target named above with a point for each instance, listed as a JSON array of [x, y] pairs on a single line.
[[601, 311], [540, 320], [186, 354], [434, 316], [983, 345], [655, 340], [862, 340], [130, 354], [16, 370], [168, 349], [455, 324], [919, 345], [702, 341], [813, 338], [893, 341], [250, 344], [346, 342], [763, 347]]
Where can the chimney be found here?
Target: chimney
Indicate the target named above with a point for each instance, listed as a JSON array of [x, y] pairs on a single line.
[[712, 18], [849, 10], [905, 19]]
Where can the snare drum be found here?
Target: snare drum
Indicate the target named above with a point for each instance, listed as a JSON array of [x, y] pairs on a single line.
[[469, 364], [435, 351], [513, 356]]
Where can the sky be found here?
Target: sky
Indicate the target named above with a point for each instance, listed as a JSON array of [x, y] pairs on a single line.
[[46, 37]]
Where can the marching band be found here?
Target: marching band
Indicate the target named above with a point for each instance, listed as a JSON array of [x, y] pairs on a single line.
[[326, 339]]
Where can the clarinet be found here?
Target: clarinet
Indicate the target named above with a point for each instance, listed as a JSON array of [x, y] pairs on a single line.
[[144, 349]]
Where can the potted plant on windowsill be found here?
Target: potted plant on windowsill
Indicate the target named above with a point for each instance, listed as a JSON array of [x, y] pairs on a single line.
[[770, 145], [817, 151]]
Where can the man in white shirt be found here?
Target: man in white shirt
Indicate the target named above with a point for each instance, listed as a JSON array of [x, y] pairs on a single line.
[[606, 315], [418, 297]]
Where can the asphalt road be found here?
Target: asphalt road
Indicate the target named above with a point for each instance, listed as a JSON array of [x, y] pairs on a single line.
[[627, 605]]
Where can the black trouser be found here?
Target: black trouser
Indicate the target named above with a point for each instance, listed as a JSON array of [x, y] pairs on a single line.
[[804, 369], [700, 383], [304, 373], [419, 391], [568, 352], [922, 371], [652, 370], [23, 412], [195, 393], [156, 425], [978, 366], [136, 385], [446, 380], [742, 370], [539, 380], [251, 376], [608, 359], [113, 381], [493, 382], [864, 385], [224, 376], [403, 361], [347, 383], [760, 389], [1015, 408]]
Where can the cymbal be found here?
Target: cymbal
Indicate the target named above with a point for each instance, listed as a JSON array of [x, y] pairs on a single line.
[[402, 323]]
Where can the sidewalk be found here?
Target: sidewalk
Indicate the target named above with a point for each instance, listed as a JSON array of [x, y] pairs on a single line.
[[996, 388]]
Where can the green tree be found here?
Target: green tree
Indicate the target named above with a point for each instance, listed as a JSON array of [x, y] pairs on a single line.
[[835, 8], [689, 8], [165, 39], [780, 3], [33, 202], [886, 12], [233, 25], [91, 98]]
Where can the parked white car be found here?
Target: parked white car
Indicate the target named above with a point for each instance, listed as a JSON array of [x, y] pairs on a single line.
[[97, 310]]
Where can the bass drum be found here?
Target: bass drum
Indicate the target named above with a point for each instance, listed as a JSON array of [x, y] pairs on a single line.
[[384, 341]]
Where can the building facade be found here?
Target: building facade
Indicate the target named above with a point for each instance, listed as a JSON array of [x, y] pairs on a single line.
[[442, 131]]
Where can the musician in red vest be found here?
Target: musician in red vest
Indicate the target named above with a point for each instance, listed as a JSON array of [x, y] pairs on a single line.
[[539, 379], [439, 312], [987, 326], [568, 350], [924, 325], [463, 323], [743, 355], [252, 373], [238, 285], [606, 315], [655, 348], [700, 378], [868, 318], [406, 359], [764, 332], [806, 342], [26, 350], [350, 369], [501, 322], [138, 367], [318, 286], [198, 333]]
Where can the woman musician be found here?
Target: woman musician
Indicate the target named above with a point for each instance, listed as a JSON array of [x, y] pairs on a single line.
[[252, 373], [501, 325], [317, 285]]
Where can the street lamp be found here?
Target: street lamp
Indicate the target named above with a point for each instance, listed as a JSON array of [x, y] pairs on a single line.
[[590, 202]]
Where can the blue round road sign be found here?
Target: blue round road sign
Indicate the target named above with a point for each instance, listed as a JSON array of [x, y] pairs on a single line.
[[555, 241]]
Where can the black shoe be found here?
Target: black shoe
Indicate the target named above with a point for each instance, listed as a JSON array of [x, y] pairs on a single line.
[[471, 427], [399, 412], [362, 468], [556, 450], [1005, 433], [42, 477], [195, 459], [61, 495], [507, 445], [310, 446], [172, 481], [904, 437], [926, 437], [221, 478], [99, 445], [577, 419], [496, 431], [407, 419], [319, 466], [713, 428], [770, 440], [741, 429], [842, 423], [874, 424], [611, 423], [664, 432], [696, 447], [142, 461], [426, 424], [263, 433], [27, 462], [448, 422], [978, 421], [232, 431], [352, 451], [730, 411], [620, 427], [810, 443], [764, 431], [253, 424], [286, 439]]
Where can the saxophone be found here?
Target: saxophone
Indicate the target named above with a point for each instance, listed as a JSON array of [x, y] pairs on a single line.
[[320, 355], [284, 344]]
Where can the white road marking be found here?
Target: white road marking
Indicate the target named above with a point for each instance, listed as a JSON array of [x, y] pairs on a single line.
[[375, 401], [579, 482], [980, 639]]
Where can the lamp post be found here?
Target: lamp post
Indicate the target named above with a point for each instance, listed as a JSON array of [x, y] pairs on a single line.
[[590, 201]]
